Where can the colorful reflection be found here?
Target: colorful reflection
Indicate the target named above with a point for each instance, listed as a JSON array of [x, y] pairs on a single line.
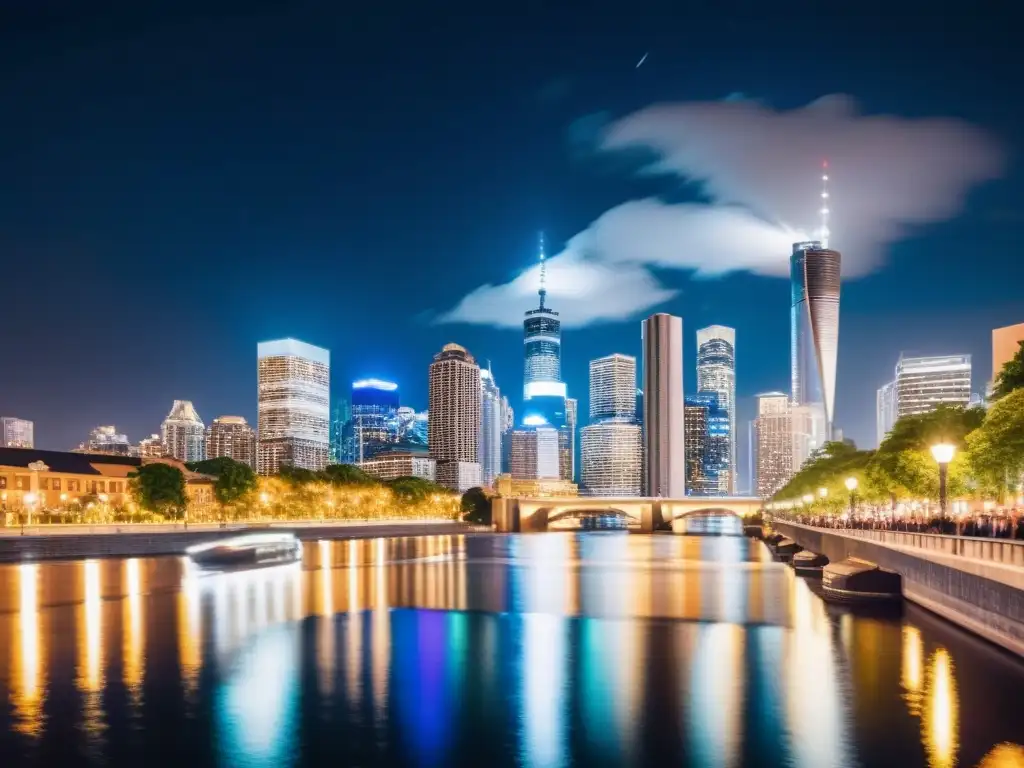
[[940, 721], [27, 691]]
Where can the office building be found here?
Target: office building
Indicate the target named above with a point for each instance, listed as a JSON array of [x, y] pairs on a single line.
[[340, 451], [716, 372], [706, 427], [885, 410], [107, 440], [454, 423], [814, 342], [374, 412], [662, 337], [16, 433], [567, 441], [613, 390], [389, 466], [535, 453], [490, 428], [508, 417], [773, 444], [294, 406], [183, 433], [921, 385], [231, 437], [1005, 345], [611, 455], [151, 447]]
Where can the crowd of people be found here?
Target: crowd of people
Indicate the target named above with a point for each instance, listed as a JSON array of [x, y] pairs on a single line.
[[1008, 524]]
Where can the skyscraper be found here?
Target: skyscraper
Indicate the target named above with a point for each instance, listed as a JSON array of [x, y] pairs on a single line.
[[611, 445], [183, 433], [885, 410], [341, 433], [716, 372], [374, 407], [773, 443], [567, 442], [294, 405], [107, 440], [535, 453], [508, 418], [151, 447], [454, 426], [542, 347], [490, 427], [706, 427], [613, 391], [662, 337], [231, 437], [921, 385], [16, 433]]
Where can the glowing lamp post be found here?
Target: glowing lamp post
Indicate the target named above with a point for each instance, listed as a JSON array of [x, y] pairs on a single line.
[[943, 454], [851, 486]]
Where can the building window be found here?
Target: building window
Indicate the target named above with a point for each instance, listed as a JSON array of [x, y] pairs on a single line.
[[21, 482], [54, 483], [3, 481], [75, 485], [115, 487], [101, 486]]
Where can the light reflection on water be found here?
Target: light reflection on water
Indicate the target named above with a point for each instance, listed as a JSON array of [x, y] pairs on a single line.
[[541, 650]]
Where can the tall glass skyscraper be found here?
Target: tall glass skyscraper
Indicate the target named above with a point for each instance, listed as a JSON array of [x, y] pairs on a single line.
[[707, 444], [662, 337], [611, 445], [294, 390], [814, 343], [455, 417], [921, 385], [716, 372], [490, 427], [374, 406], [183, 433]]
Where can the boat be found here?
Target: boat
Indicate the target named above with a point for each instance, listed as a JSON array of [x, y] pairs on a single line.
[[773, 538], [786, 548], [252, 550], [807, 563], [859, 581]]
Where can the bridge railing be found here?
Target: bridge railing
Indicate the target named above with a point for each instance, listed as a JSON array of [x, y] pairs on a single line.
[[1003, 551]]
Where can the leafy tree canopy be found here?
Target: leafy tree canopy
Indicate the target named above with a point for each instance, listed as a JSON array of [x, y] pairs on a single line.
[[161, 488], [234, 479], [347, 474], [1011, 378], [297, 476], [415, 488], [476, 506], [995, 451]]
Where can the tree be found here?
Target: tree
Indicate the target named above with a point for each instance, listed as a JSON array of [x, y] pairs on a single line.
[[160, 488], [995, 451], [476, 506], [234, 482], [347, 474], [415, 489], [296, 476], [1011, 378]]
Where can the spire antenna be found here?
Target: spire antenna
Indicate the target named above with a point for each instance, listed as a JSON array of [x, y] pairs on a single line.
[[823, 232], [543, 272]]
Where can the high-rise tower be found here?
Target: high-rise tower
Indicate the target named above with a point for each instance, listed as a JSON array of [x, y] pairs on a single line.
[[663, 406], [716, 372], [542, 344], [490, 427], [183, 433], [454, 423], [294, 405], [814, 336], [611, 448]]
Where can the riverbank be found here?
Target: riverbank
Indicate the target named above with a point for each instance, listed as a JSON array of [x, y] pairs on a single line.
[[70, 542]]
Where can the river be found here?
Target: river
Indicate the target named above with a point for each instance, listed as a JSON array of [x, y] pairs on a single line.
[[588, 649]]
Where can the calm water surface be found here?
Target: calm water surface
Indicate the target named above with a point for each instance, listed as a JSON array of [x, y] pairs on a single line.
[[540, 650]]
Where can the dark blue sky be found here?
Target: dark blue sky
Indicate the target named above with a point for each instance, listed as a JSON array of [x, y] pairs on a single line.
[[179, 184]]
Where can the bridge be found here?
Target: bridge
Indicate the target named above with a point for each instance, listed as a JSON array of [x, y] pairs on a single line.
[[645, 514]]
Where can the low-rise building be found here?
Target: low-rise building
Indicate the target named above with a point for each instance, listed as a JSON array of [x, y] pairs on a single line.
[[509, 487], [388, 466]]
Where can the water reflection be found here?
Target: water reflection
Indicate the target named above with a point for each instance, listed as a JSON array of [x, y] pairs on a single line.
[[544, 650]]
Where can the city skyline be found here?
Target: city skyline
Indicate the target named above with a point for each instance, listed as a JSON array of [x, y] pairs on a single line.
[[124, 194]]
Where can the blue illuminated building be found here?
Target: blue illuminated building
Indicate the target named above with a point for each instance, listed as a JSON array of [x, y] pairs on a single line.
[[374, 409], [707, 437]]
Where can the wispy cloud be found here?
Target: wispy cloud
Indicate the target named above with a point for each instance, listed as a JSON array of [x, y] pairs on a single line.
[[758, 168]]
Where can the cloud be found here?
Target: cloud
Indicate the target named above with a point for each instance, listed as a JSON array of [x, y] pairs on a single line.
[[758, 168]]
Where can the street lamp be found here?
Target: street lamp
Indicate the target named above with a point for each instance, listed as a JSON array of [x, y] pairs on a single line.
[[851, 486], [808, 498], [823, 492], [943, 453]]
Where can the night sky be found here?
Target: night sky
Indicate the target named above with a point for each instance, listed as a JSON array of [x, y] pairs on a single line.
[[179, 181]]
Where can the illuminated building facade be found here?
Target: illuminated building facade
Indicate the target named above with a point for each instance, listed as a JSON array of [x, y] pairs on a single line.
[[16, 433], [374, 417], [814, 343], [567, 441], [716, 372], [490, 428], [773, 444], [341, 433], [535, 453], [611, 456], [1005, 345], [107, 439], [231, 437], [183, 433], [706, 427], [921, 385], [613, 391], [294, 406], [151, 447], [454, 421], [664, 453], [389, 466], [885, 410]]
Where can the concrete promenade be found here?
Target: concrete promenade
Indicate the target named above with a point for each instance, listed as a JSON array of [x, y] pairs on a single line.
[[63, 542], [981, 590]]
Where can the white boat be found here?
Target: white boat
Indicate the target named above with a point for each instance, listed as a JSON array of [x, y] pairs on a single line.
[[247, 551]]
